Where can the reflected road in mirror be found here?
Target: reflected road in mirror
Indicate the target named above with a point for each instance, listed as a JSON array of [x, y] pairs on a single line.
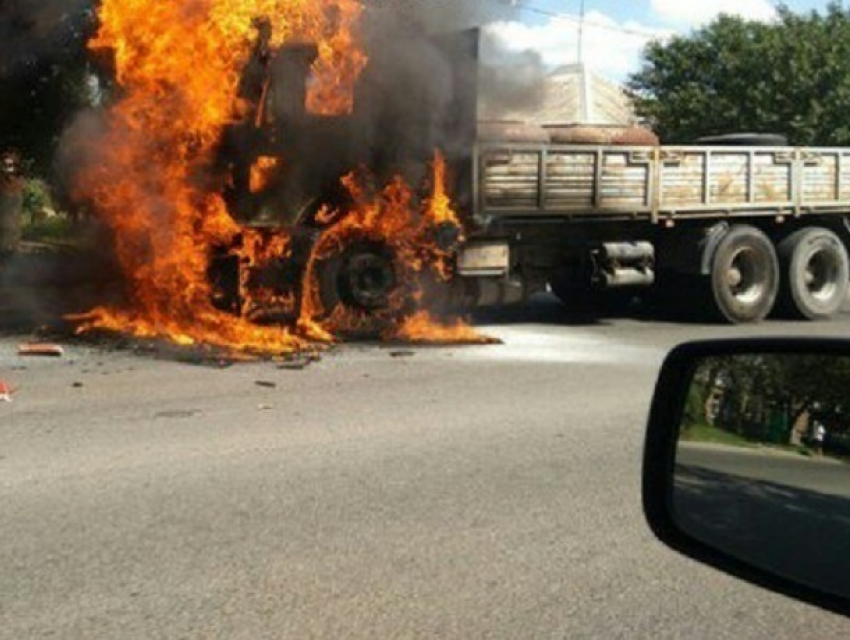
[[761, 472]]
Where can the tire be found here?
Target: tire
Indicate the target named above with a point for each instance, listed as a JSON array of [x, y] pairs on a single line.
[[744, 279], [361, 278], [816, 271]]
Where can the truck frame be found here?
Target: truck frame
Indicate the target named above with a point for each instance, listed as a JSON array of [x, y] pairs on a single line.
[[737, 230]]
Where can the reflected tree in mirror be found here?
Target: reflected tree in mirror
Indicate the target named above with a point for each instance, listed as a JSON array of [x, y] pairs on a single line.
[[763, 464], [797, 401]]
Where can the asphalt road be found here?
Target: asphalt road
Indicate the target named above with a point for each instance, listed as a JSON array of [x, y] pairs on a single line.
[[824, 475], [780, 511], [458, 492]]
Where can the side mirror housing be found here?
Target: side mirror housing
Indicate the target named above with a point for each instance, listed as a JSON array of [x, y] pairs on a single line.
[[747, 463]]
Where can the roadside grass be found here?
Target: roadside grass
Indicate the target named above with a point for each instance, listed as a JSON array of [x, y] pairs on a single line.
[[707, 433]]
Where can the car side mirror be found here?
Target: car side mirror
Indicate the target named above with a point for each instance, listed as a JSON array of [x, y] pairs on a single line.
[[747, 463]]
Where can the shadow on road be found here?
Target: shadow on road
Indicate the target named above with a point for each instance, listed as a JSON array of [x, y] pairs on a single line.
[[793, 532], [546, 309], [541, 309]]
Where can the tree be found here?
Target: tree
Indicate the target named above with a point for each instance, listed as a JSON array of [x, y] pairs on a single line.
[[44, 74], [791, 77], [755, 387]]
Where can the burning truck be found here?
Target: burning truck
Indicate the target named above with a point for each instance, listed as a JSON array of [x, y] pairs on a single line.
[[323, 199], [269, 182], [266, 184]]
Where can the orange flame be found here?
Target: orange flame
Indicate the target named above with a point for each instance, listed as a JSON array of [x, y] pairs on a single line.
[[424, 328], [393, 219], [179, 67], [258, 252], [262, 173]]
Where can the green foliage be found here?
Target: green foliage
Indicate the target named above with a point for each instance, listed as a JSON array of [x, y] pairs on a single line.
[[51, 229], [695, 406], [700, 432], [790, 77], [36, 198], [762, 395], [40, 222]]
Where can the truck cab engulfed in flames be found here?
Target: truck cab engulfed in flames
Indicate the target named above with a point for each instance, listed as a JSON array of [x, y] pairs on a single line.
[[293, 174]]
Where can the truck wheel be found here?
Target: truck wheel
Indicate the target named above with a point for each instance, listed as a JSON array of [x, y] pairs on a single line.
[[744, 275], [361, 278], [815, 270]]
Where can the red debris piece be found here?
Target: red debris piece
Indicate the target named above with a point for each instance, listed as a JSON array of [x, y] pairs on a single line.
[[6, 391]]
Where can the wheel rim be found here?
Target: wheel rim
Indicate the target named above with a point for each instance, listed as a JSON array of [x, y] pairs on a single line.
[[367, 280], [821, 276], [746, 276]]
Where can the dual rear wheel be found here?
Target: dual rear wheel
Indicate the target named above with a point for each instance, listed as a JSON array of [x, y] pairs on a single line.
[[815, 271], [805, 276]]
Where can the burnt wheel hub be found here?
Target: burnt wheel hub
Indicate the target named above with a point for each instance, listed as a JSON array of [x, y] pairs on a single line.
[[367, 280]]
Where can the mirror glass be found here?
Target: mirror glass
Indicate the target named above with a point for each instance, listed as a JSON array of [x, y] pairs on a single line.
[[763, 464]]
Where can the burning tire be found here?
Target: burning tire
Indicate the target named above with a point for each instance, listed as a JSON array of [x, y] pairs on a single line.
[[744, 277], [815, 270], [359, 289]]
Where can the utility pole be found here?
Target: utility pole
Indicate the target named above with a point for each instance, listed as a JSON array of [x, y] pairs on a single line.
[[585, 88], [581, 34]]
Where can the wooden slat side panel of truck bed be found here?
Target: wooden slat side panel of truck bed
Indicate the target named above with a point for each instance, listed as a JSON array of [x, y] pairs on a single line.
[[659, 183]]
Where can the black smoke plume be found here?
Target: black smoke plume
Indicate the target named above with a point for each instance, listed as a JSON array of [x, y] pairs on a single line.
[[31, 30]]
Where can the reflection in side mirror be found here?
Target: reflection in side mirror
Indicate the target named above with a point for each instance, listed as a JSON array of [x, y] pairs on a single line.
[[761, 465], [747, 465]]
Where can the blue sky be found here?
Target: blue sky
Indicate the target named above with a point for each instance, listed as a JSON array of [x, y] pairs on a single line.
[[616, 31]]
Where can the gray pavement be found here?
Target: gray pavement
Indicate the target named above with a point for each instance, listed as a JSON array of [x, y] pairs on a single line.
[[459, 492], [782, 512], [823, 475]]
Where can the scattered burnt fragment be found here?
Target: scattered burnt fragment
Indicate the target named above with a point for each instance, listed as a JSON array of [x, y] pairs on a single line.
[[41, 350]]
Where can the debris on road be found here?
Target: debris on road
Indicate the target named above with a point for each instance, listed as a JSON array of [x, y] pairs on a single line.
[[266, 383], [41, 349], [296, 365], [6, 391], [299, 361], [402, 354]]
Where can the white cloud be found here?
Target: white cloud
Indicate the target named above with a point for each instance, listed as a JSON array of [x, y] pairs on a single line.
[[611, 48], [692, 13]]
